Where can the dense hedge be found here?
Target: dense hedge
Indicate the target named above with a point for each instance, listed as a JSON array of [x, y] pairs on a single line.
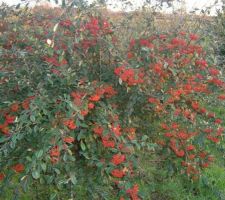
[[74, 106]]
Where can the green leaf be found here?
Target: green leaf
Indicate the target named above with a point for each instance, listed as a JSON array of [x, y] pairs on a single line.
[[53, 196], [36, 174], [39, 153], [44, 167], [32, 118], [99, 164], [73, 179], [84, 125], [65, 157], [82, 145], [57, 171], [61, 58], [144, 137]]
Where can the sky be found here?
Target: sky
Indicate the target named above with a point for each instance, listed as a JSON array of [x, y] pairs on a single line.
[[190, 4]]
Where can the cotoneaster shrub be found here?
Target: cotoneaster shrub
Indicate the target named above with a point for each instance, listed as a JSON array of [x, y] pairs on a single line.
[[61, 113], [73, 105], [176, 80]]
